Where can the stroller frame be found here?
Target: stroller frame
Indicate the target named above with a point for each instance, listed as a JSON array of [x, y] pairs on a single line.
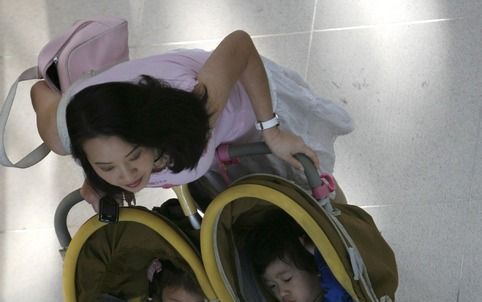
[[217, 286]]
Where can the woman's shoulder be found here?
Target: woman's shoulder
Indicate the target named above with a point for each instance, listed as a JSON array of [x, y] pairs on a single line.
[[196, 54], [162, 64], [178, 67], [188, 58]]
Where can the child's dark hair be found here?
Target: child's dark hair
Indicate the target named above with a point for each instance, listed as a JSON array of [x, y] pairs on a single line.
[[172, 276], [148, 113], [278, 237]]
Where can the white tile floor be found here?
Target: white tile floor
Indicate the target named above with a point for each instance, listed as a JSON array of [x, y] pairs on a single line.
[[409, 72]]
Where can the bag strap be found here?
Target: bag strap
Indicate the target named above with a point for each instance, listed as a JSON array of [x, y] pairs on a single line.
[[41, 151]]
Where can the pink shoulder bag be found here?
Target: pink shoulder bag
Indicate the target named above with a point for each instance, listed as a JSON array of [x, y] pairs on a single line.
[[88, 47]]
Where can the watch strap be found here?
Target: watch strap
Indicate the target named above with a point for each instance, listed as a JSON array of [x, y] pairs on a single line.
[[273, 122]]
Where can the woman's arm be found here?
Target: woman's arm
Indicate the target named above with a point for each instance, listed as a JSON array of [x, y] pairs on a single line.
[[90, 195], [236, 58], [45, 102]]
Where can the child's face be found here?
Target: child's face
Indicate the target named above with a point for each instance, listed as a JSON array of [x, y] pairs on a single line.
[[290, 284], [171, 294]]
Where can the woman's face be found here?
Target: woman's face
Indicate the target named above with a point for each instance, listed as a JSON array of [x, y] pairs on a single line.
[[170, 294], [290, 284], [120, 163]]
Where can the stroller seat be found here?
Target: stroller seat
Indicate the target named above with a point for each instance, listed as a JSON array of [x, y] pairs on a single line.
[[113, 258], [347, 238]]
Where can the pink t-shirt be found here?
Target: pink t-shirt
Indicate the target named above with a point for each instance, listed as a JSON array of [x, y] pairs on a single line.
[[180, 68]]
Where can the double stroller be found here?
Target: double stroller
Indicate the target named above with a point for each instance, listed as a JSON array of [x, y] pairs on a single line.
[[108, 261]]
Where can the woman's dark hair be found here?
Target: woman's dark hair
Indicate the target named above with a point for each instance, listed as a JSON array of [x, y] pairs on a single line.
[[148, 113], [278, 237]]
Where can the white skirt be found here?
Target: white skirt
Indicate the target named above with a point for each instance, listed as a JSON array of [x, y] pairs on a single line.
[[318, 121]]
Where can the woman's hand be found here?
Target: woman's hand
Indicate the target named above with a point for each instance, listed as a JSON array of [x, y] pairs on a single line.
[[93, 197], [285, 144], [90, 195]]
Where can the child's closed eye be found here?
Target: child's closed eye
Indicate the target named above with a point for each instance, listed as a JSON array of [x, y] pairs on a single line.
[[270, 285], [286, 279]]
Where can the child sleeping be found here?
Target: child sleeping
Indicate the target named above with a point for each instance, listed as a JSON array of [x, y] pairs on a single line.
[[288, 265], [171, 284]]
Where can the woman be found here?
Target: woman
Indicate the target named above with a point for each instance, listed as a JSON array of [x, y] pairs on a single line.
[[144, 132]]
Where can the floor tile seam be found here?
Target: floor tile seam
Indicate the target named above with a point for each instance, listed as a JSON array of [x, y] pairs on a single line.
[[460, 279], [310, 41], [253, 36], [472, 200], [394, 24], [477, 150], [25, 230], [136, 24], [387, 205]]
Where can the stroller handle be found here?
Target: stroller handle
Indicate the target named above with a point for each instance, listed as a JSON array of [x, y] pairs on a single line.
[[187, 205], [322, 185], [60, 218], [228, 153]]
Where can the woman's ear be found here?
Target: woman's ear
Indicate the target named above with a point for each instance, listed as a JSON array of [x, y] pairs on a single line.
[[307, 243]]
